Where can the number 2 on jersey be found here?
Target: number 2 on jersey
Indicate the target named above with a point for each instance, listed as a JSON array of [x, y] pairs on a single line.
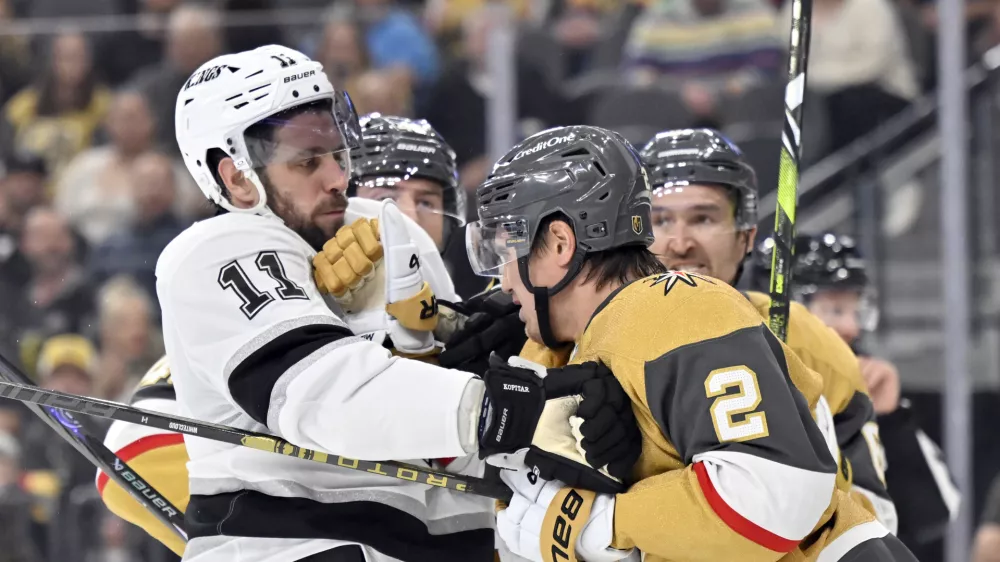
[[744, 401], [232, 276]]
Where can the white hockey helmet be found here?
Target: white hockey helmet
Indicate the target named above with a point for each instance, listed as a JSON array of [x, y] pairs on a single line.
[[231, 93]]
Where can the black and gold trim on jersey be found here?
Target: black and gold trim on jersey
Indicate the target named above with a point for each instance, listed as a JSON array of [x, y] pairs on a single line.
[[732, 405]]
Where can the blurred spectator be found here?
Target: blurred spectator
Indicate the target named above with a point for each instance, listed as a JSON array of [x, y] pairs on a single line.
[[247, 37], [987, 541], [705, 48], [66, 363], [95, 191], [57, 117], [15, 58], [859, 60], [578, 27], [444, 18], [129, 343], [21, 189], [58, 298], [15, 506], [396, 40], [343, 53], [10, 417], [63, 8], [193, 38], [53, 468], [377, 91], [457, 104], [134, 251], [123, 53]]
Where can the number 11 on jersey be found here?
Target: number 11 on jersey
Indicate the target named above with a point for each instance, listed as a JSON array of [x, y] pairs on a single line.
[[232, 276]]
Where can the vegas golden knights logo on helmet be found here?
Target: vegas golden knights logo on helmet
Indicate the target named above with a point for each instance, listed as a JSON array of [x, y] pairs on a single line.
[[637, 224]]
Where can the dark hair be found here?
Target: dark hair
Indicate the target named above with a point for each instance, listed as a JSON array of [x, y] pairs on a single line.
[[619, 266], [46, 85]]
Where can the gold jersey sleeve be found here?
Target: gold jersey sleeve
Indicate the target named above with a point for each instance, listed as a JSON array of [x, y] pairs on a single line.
[[705, 375], [160, 457], [822, 350]]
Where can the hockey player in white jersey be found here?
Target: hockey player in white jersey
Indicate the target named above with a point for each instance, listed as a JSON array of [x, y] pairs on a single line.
[[252, 343]]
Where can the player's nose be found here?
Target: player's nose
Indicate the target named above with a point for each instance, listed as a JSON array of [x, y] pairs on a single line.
[[678, 242], [334, 177]]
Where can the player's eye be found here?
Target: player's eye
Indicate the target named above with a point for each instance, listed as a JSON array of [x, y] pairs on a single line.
[[427, 204], [662, 221], [308, 164], [343, 158], [703, 219]]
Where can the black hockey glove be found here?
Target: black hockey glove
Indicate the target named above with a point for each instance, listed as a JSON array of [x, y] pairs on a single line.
[[493, 327], [512, 405], [523, 410]]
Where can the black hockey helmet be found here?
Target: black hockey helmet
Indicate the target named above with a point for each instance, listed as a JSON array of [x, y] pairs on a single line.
[[703, 156], [591, 177], [397, 148], [822, 261]]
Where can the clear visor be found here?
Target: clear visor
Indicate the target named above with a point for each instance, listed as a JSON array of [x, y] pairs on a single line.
[[677, 215], [415, 200], [845, 310], [493, 244], [316, 135]]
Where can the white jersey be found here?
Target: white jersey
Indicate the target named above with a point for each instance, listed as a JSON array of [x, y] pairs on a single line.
[[252, 344]]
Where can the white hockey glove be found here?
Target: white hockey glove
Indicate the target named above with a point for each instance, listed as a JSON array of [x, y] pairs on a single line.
[[372, 269], [546, 520]]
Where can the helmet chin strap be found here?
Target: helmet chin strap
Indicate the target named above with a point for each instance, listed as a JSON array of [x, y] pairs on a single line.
[[543, 294], [261, 207]]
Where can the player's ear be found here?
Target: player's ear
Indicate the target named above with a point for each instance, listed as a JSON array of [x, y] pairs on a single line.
[[241, 190], [562, 242], [751, 240]]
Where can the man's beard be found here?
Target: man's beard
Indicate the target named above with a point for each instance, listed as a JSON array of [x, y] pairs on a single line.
[[312, 233]]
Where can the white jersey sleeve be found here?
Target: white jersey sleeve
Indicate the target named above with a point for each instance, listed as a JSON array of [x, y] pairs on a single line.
[[243, 318]]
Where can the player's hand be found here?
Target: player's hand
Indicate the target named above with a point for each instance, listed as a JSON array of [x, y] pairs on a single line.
[[373, 271], [604, 443], [521, 409], [530, 523], [348, 259], [492, 327], [882, 379]]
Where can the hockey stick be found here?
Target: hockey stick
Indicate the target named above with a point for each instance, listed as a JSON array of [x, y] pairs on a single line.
[[100, 456], [114, 411], [788, 170]]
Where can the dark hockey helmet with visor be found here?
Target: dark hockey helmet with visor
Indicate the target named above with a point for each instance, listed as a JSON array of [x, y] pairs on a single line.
[[683, 157], [823, 262], [588, 176], [397, 148]]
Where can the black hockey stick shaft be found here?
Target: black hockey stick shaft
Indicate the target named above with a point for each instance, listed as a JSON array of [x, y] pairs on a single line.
[[269, 443], [788, 170], [73, 431]]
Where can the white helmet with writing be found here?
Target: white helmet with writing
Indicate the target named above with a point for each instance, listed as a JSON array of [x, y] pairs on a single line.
[[228, 103]]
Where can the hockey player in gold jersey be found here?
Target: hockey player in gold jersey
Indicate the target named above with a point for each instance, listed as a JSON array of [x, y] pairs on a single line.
[[705, 220], [738, 445], [158, 455]]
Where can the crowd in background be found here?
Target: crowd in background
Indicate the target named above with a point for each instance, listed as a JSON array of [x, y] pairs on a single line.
[[91, 188]]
